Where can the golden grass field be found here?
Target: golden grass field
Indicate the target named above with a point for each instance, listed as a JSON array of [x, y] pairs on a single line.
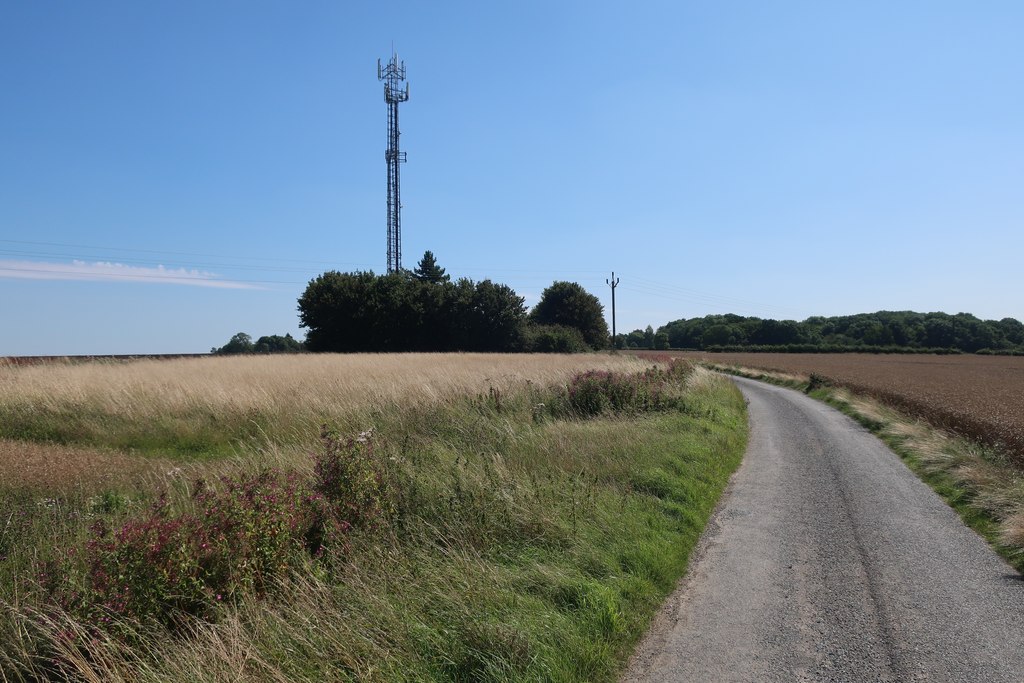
[[321, 382], [188, 519], [285, 396]]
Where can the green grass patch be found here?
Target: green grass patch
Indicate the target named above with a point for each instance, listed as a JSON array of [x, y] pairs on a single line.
[[185, 435]]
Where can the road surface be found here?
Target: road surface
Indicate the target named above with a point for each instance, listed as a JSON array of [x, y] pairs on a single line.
[[828, 560]]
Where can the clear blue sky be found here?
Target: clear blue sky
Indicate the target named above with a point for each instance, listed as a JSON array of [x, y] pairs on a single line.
[[174, 172]]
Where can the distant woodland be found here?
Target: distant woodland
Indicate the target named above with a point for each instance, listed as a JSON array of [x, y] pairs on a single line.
[[424, 310], [884, 331]]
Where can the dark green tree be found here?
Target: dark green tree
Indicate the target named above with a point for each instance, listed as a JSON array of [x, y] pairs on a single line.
[[568, 304], [939, 332], [239, 343], [365, 312], [489, 316], [637, 339], [776, 332], [1012, 330], [718, 335], [427, 270], [339, 313], [883, 330], [275, 343], [555, 339]]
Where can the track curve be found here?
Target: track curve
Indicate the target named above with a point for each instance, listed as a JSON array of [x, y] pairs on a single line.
[[828, 560]]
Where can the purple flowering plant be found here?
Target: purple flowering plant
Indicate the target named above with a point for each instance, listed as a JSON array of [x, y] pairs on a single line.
[[239, 536]]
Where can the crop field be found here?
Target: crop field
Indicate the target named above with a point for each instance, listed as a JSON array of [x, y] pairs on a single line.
[[350, 517], [978, 396]]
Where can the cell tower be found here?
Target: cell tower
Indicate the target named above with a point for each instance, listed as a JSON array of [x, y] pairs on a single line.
[[393, 75]]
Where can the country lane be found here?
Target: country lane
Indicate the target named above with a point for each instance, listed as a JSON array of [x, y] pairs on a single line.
[[828, 560]]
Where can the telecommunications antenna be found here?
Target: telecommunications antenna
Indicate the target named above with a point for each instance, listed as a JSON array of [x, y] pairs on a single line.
[[393, 75]]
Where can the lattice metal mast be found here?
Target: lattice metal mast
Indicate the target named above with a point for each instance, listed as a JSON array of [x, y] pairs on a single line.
[[393, 75]]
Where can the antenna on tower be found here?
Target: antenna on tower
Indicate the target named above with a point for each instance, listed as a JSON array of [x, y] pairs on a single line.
[[393, 75]]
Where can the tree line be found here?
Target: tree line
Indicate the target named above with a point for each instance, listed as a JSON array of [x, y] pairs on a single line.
[[884, 330], [424, 310], [643, 339], [274, 343]]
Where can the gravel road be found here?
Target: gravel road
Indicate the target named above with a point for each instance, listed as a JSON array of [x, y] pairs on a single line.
[[828, 560]]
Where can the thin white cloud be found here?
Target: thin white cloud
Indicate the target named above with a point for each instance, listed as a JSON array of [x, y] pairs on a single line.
[[106, 271]]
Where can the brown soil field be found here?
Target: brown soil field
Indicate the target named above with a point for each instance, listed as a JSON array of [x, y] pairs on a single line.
[[977, 396]]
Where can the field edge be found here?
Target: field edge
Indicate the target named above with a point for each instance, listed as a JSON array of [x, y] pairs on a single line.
[[979, 481], [540, 548]]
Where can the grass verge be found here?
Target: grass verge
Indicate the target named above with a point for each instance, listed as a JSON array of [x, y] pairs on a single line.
[[525, 536], [983, 484]]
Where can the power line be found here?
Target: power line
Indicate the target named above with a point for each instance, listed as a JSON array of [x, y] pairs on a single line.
[[665, 290], [636, 284], [731, 306]]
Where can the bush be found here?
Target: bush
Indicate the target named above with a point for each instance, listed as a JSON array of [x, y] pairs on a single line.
[[569, 305], [238, 537], [816, 382], [598, 391], [553, 339], [352, 480]]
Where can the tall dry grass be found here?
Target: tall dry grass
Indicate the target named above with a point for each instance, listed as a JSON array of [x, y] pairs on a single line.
[[201, 407], [322, 383], [525, 543]]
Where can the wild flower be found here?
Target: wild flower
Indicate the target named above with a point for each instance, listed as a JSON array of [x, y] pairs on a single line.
[[349, 475], [238, 537]]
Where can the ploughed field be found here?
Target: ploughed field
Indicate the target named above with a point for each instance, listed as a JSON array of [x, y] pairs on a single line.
[[978, 396]]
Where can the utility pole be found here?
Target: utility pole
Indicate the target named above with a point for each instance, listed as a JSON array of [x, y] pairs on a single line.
[[613, 283]]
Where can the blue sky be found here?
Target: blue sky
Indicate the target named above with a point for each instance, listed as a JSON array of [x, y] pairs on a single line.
[[174, 172]]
